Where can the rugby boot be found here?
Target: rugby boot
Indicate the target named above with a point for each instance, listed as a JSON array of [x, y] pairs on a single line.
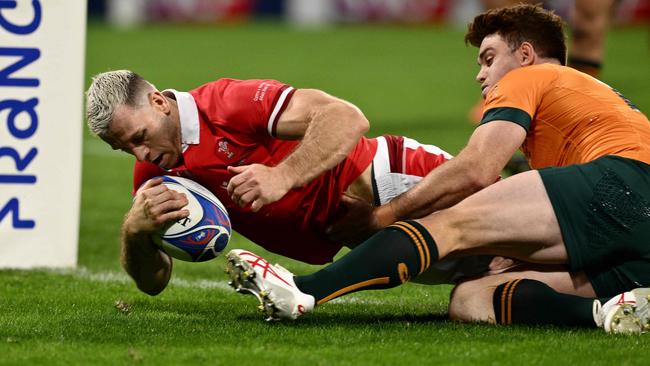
[[272, 285], [627, 313]]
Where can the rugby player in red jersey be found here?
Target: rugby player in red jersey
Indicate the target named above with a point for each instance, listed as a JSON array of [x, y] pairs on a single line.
[[282, 160]]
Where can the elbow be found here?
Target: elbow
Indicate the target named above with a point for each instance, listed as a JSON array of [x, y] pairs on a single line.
[[475, 184], [477, 180], [354, 118], [151, 283], [361, 123], [358, 120], [151, 289], [478, 172]]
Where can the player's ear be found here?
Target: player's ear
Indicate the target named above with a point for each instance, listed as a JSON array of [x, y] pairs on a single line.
[[158, 101], [527, 54]]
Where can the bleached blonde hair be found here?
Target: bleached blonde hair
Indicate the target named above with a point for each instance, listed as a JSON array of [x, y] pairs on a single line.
[[109, 90]]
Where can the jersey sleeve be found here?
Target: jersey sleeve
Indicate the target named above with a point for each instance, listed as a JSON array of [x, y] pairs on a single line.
[[142, 172], [253, 105], [517, 95]]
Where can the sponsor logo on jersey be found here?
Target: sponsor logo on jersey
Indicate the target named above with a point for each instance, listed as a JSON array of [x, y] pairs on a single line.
[[261, 91]]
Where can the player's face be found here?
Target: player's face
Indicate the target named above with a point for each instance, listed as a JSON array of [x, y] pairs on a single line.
[[149, 132], [495, 59]]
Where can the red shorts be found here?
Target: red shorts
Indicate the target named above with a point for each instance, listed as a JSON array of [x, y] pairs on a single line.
[[401, 162]]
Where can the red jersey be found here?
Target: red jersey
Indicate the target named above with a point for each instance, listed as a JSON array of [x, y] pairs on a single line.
[[232, 122]]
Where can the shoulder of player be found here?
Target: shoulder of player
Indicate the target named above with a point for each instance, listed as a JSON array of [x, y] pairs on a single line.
[[211, 96], [212, 86], [233, 90], [225, 83]]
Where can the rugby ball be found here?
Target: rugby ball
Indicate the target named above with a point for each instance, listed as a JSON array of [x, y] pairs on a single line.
[[204, 233]]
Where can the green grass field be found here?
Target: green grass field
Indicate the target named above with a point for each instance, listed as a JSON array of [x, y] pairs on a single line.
[[416, 81]]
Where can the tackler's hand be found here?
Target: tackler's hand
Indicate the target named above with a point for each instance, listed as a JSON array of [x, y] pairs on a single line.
[[360, 221]]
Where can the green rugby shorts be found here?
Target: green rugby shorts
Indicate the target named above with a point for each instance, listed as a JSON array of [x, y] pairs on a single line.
[[603, 209]]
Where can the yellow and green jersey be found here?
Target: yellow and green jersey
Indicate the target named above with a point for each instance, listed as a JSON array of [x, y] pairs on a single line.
[[570, 117]]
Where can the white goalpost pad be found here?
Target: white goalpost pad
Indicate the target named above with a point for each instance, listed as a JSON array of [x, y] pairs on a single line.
[[42, 46]]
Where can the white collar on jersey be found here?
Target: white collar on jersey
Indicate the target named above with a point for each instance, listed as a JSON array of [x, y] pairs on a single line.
[[189, 116]]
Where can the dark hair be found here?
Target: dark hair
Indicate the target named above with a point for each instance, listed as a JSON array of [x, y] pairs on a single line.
[[522, 23]]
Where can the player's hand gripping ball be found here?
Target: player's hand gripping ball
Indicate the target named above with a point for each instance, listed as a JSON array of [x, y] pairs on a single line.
[[204, 233]]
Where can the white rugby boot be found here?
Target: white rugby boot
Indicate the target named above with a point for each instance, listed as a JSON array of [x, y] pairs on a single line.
[[627, 313], [273, 285]]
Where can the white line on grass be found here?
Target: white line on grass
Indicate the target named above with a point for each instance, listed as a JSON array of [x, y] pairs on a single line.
[[122, 278]]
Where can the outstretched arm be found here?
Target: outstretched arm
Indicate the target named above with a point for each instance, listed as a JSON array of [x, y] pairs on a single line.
[[329, 128], [154, 206], [476, 166]]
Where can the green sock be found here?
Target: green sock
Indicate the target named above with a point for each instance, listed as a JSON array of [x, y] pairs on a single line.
[[388, 259], [532, 302]]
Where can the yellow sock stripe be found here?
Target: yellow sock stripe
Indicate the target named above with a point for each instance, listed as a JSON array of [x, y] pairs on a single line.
[[356, 286], [504, 295], [424, 244], [418, 244], [510, 292]]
